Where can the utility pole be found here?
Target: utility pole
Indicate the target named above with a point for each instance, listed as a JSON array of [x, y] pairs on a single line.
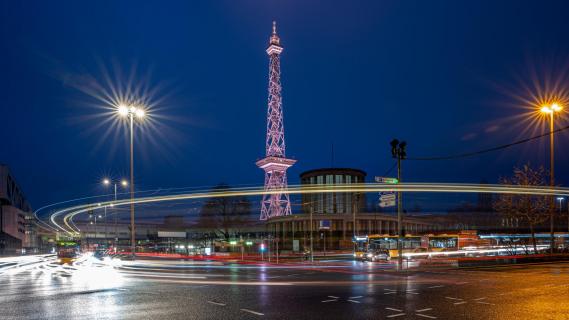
[[311, 244], [398, 152]]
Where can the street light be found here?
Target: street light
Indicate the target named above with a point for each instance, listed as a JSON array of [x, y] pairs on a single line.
[[131, 112], [550, 110], [108, 182]]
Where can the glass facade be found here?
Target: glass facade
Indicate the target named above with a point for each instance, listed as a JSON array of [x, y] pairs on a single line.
[[331, 203]]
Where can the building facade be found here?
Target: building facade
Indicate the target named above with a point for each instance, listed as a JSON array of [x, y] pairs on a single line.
[[335, 218], [14, 208]]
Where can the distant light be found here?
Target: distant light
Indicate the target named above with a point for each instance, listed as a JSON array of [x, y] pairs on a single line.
[[560, 198], [124, 183], [190, 246], [123, 110], [106, 181], [233, 242], [139, 113], [554, 107], [249, 243], [545, 110]]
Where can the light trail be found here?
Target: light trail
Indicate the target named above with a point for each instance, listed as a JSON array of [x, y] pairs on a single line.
[[70, 212]]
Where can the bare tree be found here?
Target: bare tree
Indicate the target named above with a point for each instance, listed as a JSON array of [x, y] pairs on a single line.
[[528, 208], [224, 215]]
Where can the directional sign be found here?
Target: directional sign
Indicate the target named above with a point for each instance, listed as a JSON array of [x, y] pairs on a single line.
[[385, 204], [386, 180], [387, 199]]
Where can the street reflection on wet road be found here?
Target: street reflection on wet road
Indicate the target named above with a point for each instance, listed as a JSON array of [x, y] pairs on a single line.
[[180, 290]]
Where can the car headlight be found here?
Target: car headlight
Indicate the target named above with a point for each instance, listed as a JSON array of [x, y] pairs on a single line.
[[369, 255], [355, 255]]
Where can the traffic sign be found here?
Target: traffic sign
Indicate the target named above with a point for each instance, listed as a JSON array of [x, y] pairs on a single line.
[[387, 199], [386, 180]]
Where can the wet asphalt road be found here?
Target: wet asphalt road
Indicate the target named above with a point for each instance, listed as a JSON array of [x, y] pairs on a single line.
[[177, 290]]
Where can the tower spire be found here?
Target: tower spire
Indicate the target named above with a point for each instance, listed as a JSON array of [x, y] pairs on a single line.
[[275, 162]]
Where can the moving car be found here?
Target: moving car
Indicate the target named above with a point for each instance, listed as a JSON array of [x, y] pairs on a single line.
[[376, 255]]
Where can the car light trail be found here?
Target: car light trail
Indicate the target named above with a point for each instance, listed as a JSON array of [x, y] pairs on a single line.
[[70, 212]]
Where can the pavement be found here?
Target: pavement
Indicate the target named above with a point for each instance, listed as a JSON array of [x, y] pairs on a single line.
[[151, 289]]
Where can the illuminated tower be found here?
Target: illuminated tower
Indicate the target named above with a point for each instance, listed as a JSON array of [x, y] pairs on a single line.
[[275, 162]]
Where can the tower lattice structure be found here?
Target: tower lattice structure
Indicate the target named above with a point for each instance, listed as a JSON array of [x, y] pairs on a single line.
[[275, 203]]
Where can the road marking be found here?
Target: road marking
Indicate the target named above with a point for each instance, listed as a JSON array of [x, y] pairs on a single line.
[[354, 301], [423, 310], [216, 303], [393, 309], [390, 292], [453, 298], [356, 297], [411, 292], [253, 312], [329, 300], [333, 297], [482, 302], [461, 302], [480, 299], [435, 287], [425, 316], [396, 315]]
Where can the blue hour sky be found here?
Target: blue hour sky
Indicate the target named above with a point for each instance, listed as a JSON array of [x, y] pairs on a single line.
[[446, 76]]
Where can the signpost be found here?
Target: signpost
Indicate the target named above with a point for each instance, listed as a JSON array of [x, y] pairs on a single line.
[[387, 198]]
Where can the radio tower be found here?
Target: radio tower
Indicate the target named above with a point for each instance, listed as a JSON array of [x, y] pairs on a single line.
[[275, 162]]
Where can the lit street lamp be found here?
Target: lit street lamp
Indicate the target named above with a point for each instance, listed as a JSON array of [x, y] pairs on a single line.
[[131, 112], [551, 110], [108, 182]]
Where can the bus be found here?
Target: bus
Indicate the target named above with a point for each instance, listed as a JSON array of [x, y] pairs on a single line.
[[410, 243], [67, 252], [417, 244]]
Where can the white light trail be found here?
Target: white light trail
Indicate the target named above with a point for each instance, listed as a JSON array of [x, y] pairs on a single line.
[[68, 213]]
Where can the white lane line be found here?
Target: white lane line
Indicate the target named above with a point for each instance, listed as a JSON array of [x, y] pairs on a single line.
[[425, 316], [329, 300], [411, 292], [461, 302], [390, 292], [423, 310], [354, 301], [482, 302], [393, 309], [356, 297], [396, 315], [478, 299], [253, 312], [216, 303], [433, 287], [333, 297], [453, 298]]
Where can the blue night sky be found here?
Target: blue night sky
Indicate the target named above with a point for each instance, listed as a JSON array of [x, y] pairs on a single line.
[[446, 76]]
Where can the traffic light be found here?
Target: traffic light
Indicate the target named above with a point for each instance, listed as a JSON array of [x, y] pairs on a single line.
[[394, 144], [402, 151]]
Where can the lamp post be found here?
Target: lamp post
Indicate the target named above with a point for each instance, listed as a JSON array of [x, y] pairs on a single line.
[[560, 199], [551, 110], [108, 182], [130, 112]]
